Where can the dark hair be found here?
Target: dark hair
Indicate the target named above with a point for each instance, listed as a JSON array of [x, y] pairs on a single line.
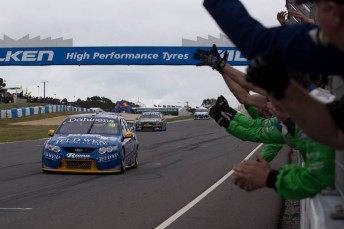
[[311, 1]]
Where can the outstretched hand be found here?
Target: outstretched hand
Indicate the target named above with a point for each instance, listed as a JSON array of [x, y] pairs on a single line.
[[245, 184], [268, 72], [251, 175], [281, 17], [211, 58], [221, 112]]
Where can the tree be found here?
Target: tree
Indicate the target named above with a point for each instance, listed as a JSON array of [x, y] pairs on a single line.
[[106, 100], [64, 101], [2, 83], [94, 98], [208, 102]]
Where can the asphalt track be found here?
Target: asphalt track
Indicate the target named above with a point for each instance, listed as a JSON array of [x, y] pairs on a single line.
[[175, 168]]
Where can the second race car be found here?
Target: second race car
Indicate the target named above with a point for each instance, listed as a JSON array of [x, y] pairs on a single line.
[[151, 121]]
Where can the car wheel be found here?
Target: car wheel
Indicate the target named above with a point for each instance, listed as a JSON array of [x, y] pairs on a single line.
[[136, 163], [123, 162]]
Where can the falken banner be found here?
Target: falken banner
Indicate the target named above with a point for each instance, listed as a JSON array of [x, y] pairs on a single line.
[[122, 55]]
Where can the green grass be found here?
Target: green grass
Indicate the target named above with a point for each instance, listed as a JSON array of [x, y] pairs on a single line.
[[179, 118], [11, 133]]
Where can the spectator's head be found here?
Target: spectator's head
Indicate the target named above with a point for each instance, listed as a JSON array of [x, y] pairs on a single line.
[[277, 111], [309, 1], [316, 79], [265, 113], [330, 16]]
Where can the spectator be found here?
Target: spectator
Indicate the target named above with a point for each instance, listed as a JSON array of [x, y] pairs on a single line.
[[255, 105], [291, 181], [301, 47], [240, 126]]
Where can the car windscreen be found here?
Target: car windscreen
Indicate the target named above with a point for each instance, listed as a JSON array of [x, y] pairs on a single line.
[[149, 116], [89, 126], [201, 110]]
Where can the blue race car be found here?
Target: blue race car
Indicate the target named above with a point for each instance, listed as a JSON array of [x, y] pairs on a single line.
[[91, 143]]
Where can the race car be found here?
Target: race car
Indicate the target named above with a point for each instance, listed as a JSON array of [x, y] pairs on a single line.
[[91, 143], [151, 121], [201, 113]]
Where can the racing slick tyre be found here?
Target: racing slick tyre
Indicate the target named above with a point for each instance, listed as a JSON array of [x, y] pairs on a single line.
[[123, 162], [136, 163]]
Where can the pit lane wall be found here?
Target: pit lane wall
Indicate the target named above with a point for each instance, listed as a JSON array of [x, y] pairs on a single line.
[[326, 209], [28, 111]]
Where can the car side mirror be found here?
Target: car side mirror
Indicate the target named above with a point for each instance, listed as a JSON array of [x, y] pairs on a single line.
[[128, 134], [51, 132]]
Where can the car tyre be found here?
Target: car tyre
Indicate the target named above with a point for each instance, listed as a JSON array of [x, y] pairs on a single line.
[[136, 163], [123, 162]]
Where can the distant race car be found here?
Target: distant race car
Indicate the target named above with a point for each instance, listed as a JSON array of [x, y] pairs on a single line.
[[91, 143], [201, 113], [151, 121]]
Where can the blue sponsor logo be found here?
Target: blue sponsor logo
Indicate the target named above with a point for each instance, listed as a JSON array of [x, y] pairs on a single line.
[[51, 156], [78, 156]]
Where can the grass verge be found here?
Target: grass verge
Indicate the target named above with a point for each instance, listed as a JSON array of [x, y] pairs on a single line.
[[11, 133]]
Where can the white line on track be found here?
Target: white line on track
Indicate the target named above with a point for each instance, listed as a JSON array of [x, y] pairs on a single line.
[[15, 208], [3, 143], [179, 213]]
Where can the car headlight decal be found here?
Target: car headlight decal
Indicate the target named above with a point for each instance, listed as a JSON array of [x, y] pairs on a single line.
[[53, 148], [107, 149]]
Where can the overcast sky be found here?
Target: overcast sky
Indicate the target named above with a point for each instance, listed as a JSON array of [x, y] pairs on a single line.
[[121, 23]]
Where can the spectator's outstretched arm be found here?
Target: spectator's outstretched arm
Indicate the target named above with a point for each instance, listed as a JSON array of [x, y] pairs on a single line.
[[270, 151], [234, 78], [311, 115], [316, 120], [300, 44], [267, 134], [229, 73], [300, 16], [239, 125], [243, 95]]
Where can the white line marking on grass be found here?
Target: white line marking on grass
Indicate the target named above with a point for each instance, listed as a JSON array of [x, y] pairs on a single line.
[[15, 208], [3, 143], [201, 196]]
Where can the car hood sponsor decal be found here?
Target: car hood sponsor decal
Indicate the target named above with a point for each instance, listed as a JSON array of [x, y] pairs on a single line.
[[150, 120], [77, 156], [108, 157], [82, 139]]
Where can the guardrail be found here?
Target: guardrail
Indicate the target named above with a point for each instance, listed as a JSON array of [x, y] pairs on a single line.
[[28, 111], [326, 210]]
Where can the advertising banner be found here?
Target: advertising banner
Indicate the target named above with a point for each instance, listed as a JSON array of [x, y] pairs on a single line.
[[122, 55]]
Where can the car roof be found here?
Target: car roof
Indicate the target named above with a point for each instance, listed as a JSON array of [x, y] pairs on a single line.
[[94, 115], [152, 112]]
